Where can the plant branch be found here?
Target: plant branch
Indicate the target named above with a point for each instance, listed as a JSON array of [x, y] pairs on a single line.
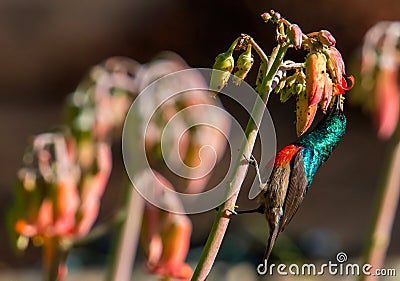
[[256, 47], [102, 229], [379, 238], [128, 237], [240, 169]]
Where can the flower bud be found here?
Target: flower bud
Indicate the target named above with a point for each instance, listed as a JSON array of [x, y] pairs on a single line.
[[291, 80], [295, 35], [243, 66], [222, 69], [266, 16], [326, 38], [315, 76], [285, 94], [275, 15]]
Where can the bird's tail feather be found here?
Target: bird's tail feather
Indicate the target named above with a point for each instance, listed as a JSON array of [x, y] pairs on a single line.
[[271, 242]]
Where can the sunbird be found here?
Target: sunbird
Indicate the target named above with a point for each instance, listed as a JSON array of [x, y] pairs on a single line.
[[294, 168]]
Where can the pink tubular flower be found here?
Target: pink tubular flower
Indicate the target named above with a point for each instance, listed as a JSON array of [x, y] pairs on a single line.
[[387, 101], [336, 68], [326, 38], [327, 94], [295, 35], [92, 190]]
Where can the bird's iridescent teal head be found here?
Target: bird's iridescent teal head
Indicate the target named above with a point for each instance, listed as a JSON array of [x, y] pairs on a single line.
[[328, 132], [320, 142]]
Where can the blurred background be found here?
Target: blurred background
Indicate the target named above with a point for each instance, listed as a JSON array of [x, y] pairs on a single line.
[[46, 47]]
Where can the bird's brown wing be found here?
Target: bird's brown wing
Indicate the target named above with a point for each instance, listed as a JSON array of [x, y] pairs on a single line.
[[296, 191]]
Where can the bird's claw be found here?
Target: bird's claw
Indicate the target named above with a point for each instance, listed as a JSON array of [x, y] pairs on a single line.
[[251, 160], [227, 213]]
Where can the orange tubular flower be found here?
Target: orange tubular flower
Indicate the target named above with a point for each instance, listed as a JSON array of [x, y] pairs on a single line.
[[327, 94], [166, 238], [304, 113], [315, 77], [54, 205], [175, 239]]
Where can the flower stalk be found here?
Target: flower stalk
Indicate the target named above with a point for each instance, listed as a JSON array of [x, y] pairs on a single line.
[[385, 212], [221, 221]]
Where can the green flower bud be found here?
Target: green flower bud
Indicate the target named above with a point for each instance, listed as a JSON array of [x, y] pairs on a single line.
[[299, 88], [222, 68], [243, 66], [285, 94], [291, 80]]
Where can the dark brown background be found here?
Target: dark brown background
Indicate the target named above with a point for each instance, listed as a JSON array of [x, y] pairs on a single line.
[[47, 46]]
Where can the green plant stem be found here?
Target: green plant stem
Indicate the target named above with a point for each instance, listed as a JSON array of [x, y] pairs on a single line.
[[128, 237], [54, 258], [221, 221], [257, 48], [102, 229], [386, 206]]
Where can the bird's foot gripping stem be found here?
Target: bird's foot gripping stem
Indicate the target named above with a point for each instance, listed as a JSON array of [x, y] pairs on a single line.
[[227, 213], [253, 161]]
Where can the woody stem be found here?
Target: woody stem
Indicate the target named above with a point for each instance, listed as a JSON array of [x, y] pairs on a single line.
[[221, 222], [386, 206]]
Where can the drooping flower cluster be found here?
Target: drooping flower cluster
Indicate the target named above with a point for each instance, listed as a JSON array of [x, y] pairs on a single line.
[[380, 76], [324, 76], [64, 173]]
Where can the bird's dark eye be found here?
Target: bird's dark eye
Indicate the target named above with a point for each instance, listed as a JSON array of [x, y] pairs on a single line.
[[341, 117]]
